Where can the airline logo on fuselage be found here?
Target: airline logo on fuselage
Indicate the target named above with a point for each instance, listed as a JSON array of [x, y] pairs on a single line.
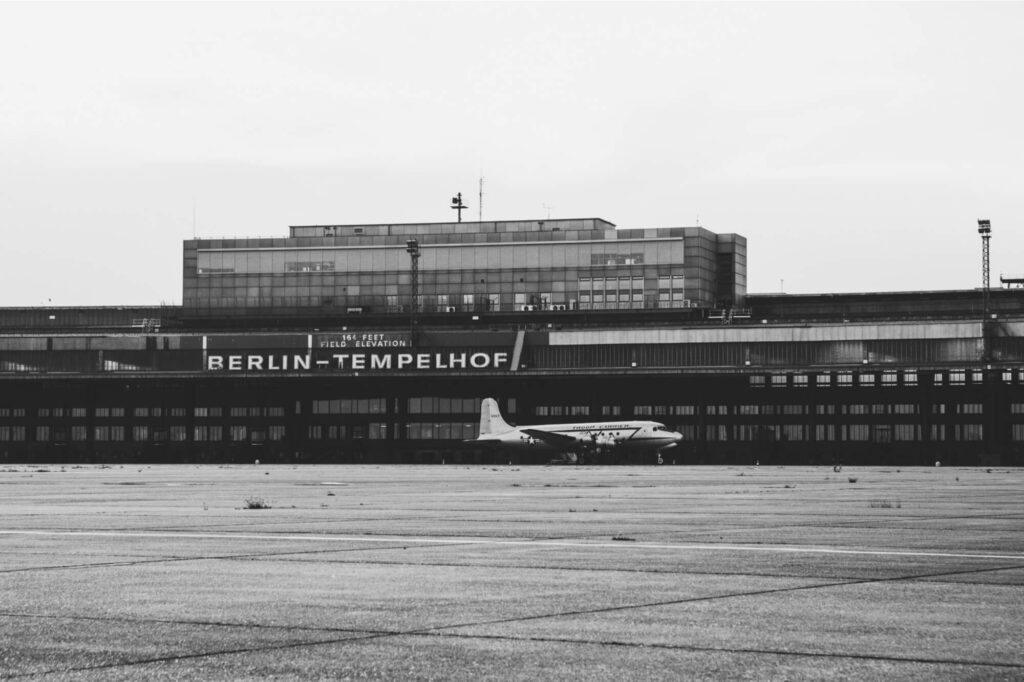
[[602, 427]]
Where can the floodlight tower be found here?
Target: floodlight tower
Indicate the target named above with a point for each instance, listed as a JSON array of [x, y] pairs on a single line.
[[985, 230], [412, 247]]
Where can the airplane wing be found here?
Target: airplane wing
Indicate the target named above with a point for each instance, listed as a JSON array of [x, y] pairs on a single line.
[[555, 440]]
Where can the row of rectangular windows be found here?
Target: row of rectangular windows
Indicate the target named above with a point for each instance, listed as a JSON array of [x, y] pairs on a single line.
[[768, 410], [884, 379], [144, 434], [322, 278], [120, 412], [881, 433], [877, 433], [435, 405]]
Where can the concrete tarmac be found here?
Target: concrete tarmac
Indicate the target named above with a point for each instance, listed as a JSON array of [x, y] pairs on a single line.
[[488, 572]]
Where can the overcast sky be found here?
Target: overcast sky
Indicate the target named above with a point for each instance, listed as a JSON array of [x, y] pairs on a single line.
[[855, 145]]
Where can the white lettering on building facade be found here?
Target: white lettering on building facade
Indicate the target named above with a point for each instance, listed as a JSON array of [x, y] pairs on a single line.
[[356, 361]]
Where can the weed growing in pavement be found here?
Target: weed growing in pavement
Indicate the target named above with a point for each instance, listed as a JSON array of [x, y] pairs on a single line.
[[852, 479], [885, 504], [256, 503]]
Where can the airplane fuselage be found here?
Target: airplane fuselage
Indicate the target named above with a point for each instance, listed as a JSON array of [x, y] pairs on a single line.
[[628, 436], [581, 439]]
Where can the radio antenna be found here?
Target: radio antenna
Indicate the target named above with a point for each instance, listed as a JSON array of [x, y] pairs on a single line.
[[480, 203]]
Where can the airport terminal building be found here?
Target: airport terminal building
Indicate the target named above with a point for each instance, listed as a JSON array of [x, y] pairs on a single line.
[[376, 343]]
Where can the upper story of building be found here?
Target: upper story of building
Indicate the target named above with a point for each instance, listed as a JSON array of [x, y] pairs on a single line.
[[498, 266]]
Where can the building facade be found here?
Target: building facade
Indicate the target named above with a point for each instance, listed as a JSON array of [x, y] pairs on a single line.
[[265, 361], [469, 267]]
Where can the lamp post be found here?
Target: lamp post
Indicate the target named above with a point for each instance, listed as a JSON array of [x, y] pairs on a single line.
[[412, 247]]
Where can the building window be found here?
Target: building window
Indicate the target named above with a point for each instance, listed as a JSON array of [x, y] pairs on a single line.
[[972, 432], [439, 430], [140, 434], [12, 433], [858, 431], [179, 433], [208, 433], [309, 266], [433, 405], [825, 432], [906, 432], [793, 432], [717, 432]]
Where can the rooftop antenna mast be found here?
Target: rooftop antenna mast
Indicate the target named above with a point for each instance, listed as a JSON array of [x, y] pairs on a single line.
[[458, 205], [480, 203], [548, 209]]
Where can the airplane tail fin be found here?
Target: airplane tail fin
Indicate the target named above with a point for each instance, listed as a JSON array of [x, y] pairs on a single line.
[[490, 418]]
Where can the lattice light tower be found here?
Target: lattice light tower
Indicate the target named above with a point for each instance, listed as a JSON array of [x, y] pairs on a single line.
[[985, 230]]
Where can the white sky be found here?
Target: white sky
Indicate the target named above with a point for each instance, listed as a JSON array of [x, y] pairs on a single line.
[[854, 144]]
